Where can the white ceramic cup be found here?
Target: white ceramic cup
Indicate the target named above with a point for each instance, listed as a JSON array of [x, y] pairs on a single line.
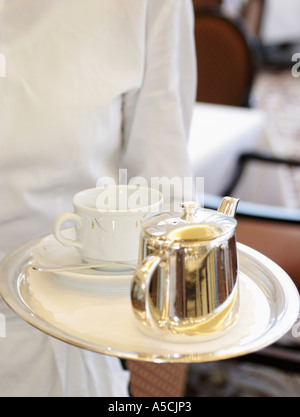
[[108, 222]]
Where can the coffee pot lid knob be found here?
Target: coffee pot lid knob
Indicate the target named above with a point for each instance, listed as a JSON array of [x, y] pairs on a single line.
[[189, 208]]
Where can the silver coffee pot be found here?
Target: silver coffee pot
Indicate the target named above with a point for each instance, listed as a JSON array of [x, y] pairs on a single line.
[[186, 285]]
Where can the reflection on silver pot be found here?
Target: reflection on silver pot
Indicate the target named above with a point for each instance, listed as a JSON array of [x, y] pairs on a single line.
[[186, 283]]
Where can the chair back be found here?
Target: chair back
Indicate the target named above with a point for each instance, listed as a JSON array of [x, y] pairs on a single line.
[[226, 58], [278, 239]]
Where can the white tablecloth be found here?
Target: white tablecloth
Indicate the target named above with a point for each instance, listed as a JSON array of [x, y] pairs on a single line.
[[280, 21], [218, 135]]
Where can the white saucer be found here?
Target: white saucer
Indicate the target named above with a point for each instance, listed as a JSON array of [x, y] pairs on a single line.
[[49, 251]]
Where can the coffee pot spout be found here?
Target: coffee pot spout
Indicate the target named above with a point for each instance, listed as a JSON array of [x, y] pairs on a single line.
[[228, 206]]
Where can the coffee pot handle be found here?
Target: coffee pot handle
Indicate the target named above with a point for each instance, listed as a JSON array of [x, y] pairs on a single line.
[[140, 292]]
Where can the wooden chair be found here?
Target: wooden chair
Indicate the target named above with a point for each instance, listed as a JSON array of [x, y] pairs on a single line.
[[227, 58], [274, 231]]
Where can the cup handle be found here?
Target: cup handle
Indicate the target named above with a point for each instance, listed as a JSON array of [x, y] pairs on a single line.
[[57, 225], [140, 290]]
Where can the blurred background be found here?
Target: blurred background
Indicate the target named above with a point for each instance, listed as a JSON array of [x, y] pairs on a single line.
[[249, 101]]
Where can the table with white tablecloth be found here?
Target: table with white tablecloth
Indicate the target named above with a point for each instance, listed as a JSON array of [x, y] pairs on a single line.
[[280, 22], [218, 135]]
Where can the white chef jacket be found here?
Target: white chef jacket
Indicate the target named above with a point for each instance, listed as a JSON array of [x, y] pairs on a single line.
[[90, 86]]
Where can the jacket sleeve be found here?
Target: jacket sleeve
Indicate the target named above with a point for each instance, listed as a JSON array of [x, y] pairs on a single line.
[[157, 116]]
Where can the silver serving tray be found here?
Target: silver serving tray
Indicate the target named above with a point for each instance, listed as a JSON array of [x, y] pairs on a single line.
[[101, 320]]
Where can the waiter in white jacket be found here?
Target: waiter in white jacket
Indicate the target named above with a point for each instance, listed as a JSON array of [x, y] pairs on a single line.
[[90, 86]]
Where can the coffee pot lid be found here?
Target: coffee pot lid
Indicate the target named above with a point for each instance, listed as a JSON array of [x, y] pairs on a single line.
[[193, 224]]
